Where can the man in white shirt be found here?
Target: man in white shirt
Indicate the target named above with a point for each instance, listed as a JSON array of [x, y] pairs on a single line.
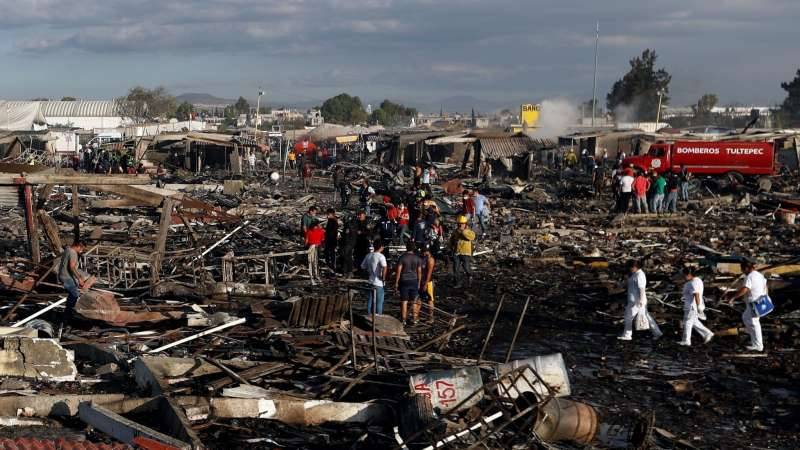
[[755, 287], [637, 302], [625, 192], [375, 266], [693, 306]]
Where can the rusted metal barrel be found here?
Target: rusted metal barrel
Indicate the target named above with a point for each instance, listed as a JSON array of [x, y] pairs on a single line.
[[565, 420]]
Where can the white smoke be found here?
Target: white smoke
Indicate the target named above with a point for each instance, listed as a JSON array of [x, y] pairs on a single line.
[[555, 118]]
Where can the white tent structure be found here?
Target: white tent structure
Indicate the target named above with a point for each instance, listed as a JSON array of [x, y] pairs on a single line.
[[21, 116]]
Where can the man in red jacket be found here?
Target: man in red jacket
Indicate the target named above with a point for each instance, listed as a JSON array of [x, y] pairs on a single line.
[[641, 184], [315, 236]]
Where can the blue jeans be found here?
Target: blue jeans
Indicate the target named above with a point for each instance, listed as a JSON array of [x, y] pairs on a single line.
[[672, 202], [73, 294], [658, 203], [483, 221], [685, 191], [378, 291]]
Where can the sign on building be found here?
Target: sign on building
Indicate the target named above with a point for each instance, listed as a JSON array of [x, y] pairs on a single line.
[[529, 115]]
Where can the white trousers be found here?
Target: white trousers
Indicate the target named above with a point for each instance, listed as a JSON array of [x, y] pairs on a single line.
[[691, 321], [752, 324], [633, 309]]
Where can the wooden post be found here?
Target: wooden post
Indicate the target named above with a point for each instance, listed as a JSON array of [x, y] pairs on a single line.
[[76, 214], [30, 223], [44, 193], [163, 225], [51, 231]]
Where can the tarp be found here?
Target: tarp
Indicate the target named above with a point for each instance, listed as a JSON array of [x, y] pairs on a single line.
[[20, 116]]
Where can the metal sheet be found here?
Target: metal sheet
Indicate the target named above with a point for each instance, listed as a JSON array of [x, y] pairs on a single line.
[[448, 388]]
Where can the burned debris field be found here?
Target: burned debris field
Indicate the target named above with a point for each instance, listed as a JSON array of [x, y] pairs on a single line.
[[229, 308]]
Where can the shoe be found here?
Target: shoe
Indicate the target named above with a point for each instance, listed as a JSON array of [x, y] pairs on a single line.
[[708, 339], [657, 336], [684, 344], [625, 338], [753, 348]]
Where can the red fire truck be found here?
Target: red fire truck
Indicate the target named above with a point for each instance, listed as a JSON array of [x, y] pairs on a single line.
[[732, 158]]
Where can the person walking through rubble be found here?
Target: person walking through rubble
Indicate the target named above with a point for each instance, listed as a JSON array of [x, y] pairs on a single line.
[[659, 190], [636, 306], [72, 278], [753, 290], [426, 293], [365, 194], [375, 266], [482, 211], [331, 239], [598, 179], [461, 245], [671, 203], [640, 187], [363, 235], [307, 173], [292, 158], [571, 159], [408, 283], [693, 309], [468, 206]]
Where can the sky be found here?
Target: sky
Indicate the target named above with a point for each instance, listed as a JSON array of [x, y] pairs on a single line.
[[415, 51]]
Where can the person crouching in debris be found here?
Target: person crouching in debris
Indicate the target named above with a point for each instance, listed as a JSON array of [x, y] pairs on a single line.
[[461, 245], [375, 266], [693, 309], [636, 306], [408, 282], [331, 239], [754, 289], [426, 293], [314, 238], [71, 277]]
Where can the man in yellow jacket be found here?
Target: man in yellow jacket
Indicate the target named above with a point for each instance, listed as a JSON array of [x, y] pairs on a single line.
[[461, 244]]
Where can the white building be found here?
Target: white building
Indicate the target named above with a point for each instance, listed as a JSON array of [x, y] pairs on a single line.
[[84, 114]]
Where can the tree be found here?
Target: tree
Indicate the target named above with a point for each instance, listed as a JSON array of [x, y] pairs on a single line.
[[184, 111], [391, 114], [635, 97], [68, 99], [790, 109], [702, 109], [344, 109], [40, 99], [142, 104], [242, 106]]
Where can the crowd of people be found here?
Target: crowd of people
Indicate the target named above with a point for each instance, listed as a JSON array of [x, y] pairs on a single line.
[[409, 219], [649, 192]]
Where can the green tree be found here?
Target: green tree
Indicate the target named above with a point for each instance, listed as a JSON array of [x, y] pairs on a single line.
[[392, 114], [702, 109], [68, 99], [184, 111], [344, 109], [790, 109], [242, 106], [635, 97], [142, 104]]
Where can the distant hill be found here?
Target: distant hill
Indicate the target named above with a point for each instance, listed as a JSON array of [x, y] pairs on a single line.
[[204, 99]]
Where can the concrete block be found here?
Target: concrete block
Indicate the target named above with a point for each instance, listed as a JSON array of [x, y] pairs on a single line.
[[39, 359]]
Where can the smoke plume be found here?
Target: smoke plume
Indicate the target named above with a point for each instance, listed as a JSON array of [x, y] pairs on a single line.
[[555, 118]]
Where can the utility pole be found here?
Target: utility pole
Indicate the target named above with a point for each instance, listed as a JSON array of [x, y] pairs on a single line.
[[258, 108], [658, 111], [594, 80]]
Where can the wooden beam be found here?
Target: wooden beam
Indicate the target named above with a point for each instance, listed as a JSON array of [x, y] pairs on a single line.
[[163, 226], [140, 195], [30, 223], [83, 179], [51, 231], [44, 193], [76, 214], [116, 203]]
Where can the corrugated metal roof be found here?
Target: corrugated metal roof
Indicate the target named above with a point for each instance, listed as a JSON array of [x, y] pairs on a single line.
[[496, 148], [81, 108]]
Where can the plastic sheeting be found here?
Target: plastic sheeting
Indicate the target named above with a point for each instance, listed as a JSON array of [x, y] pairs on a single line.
[[20, 116]]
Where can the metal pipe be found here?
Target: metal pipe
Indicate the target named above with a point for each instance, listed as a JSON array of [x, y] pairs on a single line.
[[519, 325], [40, 312], [374, 338], [491, 329]]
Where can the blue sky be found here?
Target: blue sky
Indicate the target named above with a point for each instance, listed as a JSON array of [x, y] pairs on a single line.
[[418, 51]]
